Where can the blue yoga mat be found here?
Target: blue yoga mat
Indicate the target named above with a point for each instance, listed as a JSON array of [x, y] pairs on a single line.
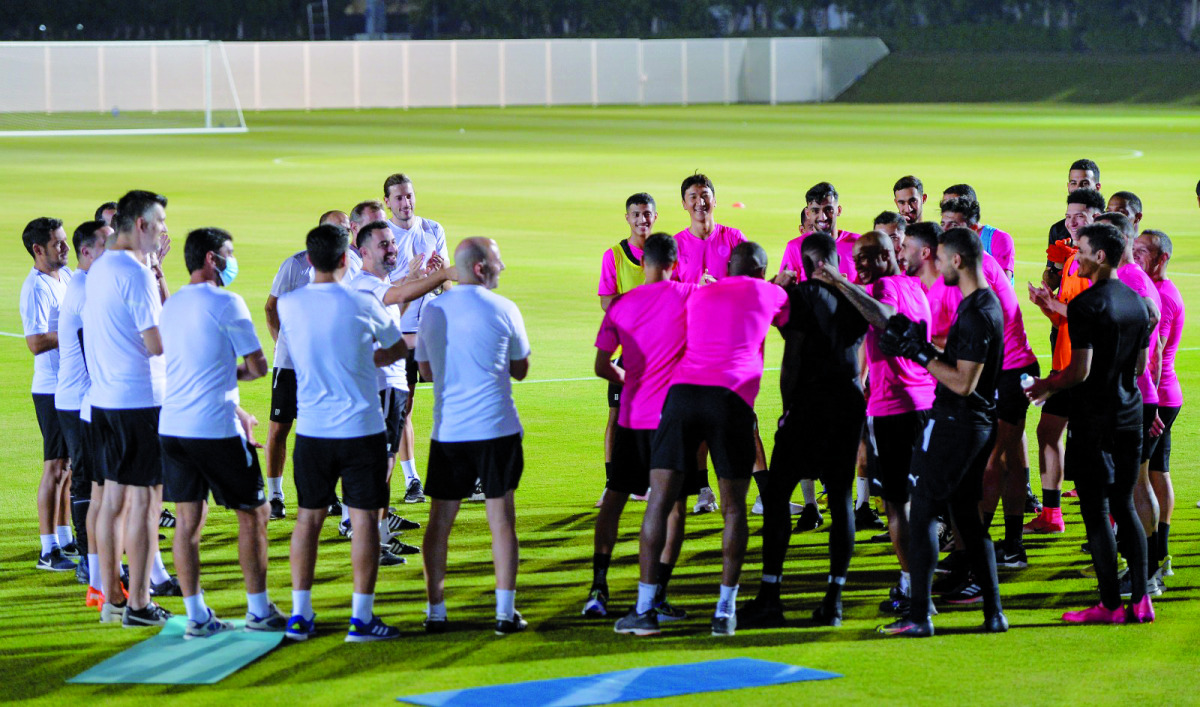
[[168, 659], [627, 685]]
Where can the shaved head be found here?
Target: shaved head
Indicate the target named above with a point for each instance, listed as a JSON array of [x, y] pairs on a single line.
[[874, 256]]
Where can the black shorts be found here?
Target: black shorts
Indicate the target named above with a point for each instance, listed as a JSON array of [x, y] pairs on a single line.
[[695, 414], [1160, 451], [1011, 403], [630, 467], [360, 462], [54, 446], [395, 412], [1149, 412], [94, 452], [614, 390], [455, 466], [77, 452], [1058, 404], [819, 441], [228, 467], [1096, 456], [891, 440], [283, 395], [128, 444], [949, 460], [412, 372]]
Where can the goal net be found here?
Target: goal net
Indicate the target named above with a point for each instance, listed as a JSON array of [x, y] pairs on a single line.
[[118, 88]]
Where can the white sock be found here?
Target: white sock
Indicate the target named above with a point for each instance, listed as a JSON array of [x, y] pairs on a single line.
[[49, 542], [410, 471], [345, 513], [436, 612], [862, 487], [302, 604], [362, 607], [65, 537], [506, 601], [645, 600], [727, 604], [258, 604], [772, 578], [93, 565], [158, 572], [384, 533], [196, 610], [905, 583], [840, 581], [275, 486], [809, 488]]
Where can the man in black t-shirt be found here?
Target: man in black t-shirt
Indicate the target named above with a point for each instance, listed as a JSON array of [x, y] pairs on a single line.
[[948, 463], [1110, 331], [820, 365]]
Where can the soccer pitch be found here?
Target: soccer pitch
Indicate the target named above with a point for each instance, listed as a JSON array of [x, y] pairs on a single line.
[[549, 185]]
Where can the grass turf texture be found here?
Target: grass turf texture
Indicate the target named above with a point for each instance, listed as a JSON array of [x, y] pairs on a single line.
[[549, 185]]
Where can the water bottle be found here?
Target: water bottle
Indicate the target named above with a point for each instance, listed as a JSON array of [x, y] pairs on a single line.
[[1026, 382]]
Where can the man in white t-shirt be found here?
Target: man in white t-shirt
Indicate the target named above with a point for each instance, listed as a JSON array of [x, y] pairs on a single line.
[[207, 440], [41, 296], [124, 358], [415, 236], [471, 343], [88, 240], [339, 426]]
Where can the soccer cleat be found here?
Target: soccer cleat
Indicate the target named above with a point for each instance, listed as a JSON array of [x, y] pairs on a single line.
[[169, 587], [278, 511], [300, 628], [1073, 493], [111, 613], [867, 518], [908, 628], [345, 530], [335, 508], [668, 612], [478, 494], [94, 598], [828, 613], [1164, 570], [414, 493], [1033, 505], [956, 561], [436, 625], [1095, 615], [1154, 588], [810, 518], [166, 519], [949, 583], [150, 615], [761, 612], [71, 551], [81, 572], [209, 627], [273, 621], [397, 523], [55, 562], [706, 502], [1049, 522], [635, 624], [516, 624], [996, 623], [398, 548], [884, 537], [596, 606], [793, 508], [1011, 557], [373, 630], [389, 559], [724, 625], [1141, 612], [968, 593]]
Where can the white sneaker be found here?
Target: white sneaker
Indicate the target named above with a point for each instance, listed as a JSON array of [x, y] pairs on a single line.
[[705, 501], [793, 508], [110, 614]]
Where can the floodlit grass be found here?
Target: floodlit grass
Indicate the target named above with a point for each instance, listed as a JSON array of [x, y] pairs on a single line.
[[550, 185]]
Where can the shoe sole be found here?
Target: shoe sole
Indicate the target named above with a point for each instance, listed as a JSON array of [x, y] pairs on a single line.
[[55, 569], [295, 636], [639, 632], [414, 500], [369, 639], [1042, 531], [595, 613], [142, 624], [722, 634], [1013, 565], [963, 602]]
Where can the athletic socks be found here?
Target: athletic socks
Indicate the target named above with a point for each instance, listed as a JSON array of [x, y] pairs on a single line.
[[760, 481], [385, 533], [49, 542], [506, 600], [275, 486], [905, 584], [862, 489], [1152, 558], [196, 610], [410, 471], [436, 612], [1164, 548], [64, 535], [302, 604], [727, 604], [258, 604], [645, 600], [93, 561], [1013, 528], [345, 513], [600, 563], [664, 576], [833, 592], [808, 487], [158, 571], [770, 587], [362, 607], [1052, 498]]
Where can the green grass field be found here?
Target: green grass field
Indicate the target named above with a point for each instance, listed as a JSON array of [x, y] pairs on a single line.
[[549, 186]]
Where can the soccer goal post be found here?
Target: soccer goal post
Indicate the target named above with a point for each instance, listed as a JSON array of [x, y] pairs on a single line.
[[52, 89]]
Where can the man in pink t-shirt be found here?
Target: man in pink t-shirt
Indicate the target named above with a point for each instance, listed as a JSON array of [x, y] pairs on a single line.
[[711, 400], [649, 324], [1152, 252], [960, 209], [901, 391], [822, 211], [704, 246]]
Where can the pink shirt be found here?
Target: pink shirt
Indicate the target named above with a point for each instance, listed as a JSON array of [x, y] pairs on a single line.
[[944, 301], [792, 259], [897, 384], [697, 255], [1003, 251], [1140, 282], [1170, 328], [608, 271], [727, 324], [649, 323]]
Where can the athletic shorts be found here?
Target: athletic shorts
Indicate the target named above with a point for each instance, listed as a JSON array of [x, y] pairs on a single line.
[[630, 466], [283, 395], [1160, 452], [360, 463], [394, 413], [454, 467], [818, 441], [614, 390], [695, 414], [1011, 403], [412, 372], [1058, 404], [890, 443], [128, 444], [77, 452], [1096, 456], [949, 460], [54, 446], [1149, 412], [228, 467], [94, 452]]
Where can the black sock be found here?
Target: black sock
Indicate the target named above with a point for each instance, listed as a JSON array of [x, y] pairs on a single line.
[[987, 519], [79, 510], [664, 576], [1012, 529], [1164, 549], [1152, 558], [833, 593], [760, 480], [1051, 499], [1027, 479], [600, 570], [769, 591]]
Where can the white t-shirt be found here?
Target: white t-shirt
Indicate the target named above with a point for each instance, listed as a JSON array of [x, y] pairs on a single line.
[[41, 297], [469, 335], [205, 330], [122, 301], [294, 273], [426, 238], [72, 372], [332, 332], [393, 375]]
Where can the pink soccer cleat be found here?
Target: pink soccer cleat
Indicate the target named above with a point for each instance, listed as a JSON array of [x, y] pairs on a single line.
[[1098, 614]]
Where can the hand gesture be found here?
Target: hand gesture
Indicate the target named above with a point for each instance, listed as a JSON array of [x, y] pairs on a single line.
[[707, 278], [248, 423], [164, 247]]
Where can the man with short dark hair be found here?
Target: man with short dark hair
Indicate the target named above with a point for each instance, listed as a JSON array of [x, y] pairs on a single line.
[[821, 203], [909, 194], [1083, 174], [892, 225], [1110, 332], [957, 211], [1128, 205]]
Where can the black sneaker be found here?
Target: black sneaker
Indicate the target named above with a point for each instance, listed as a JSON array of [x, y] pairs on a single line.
[[150, 615], [1011, 557], [762, 613], [810, 519], [71, 551], [949, 582], [396, 523], [956, 561], [278, 512], [166, 519], [636, 624], [169, 587], [81, 572], [414, 493], [388, 559], [436, 625], [477, 496], [516, 624], [968, 593], [398, 548], [829, 613], [884, 537], [905, 626], [867, 518], [335, 508], [54, 561], [996, 623], [1033, 506], [724, 625]]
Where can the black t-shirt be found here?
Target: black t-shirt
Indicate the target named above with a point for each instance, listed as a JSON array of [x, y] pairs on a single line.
[[1058, 232], [977, 335], [821, 340], [1110, 319]]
